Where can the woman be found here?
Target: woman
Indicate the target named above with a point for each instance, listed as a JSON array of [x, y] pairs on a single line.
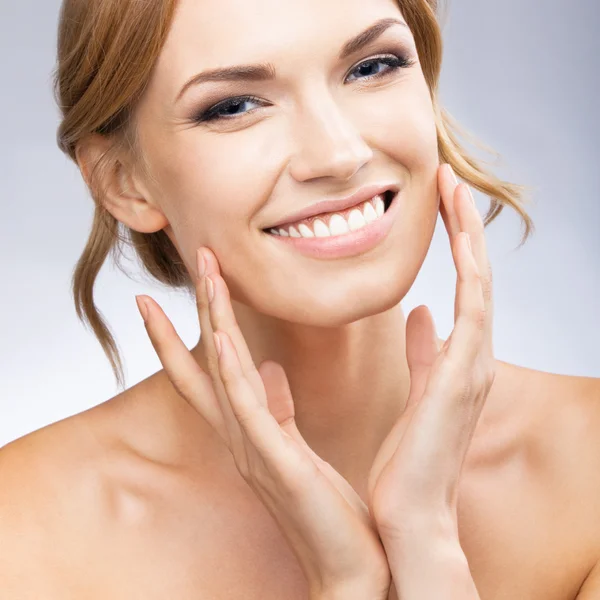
[[320, 444]]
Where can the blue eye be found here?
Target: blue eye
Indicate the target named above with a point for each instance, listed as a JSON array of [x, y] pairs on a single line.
[[393, 62], [230, 108]]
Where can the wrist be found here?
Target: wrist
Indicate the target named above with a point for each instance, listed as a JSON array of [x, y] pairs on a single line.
[[353, 590], [436, 568]]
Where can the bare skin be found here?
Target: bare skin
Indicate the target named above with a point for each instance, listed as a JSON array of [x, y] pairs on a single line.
[[137, 497]]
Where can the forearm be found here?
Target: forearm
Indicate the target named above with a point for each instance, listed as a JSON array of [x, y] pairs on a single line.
[[433, 569]]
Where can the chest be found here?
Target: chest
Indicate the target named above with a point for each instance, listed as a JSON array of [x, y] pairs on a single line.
[[521, 543]]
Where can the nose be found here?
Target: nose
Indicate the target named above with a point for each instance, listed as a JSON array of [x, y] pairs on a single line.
[[327, 144]]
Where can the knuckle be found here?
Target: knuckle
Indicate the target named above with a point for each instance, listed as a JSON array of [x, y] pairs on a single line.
[[484, 379], [489, 274], [247, 418], [480, 318], [464, 389], [479, 384], [200, 301], [180, 386], [486, 284], [474, 277]]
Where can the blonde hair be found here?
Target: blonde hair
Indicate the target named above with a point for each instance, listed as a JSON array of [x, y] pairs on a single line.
[[107, 50]]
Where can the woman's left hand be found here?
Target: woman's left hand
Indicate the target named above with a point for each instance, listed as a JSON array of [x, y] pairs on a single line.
[[414, 480]]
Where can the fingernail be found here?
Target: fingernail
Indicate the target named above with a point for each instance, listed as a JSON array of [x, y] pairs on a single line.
[[469, 242], [452, 173], [210, 289], [142, 307], [201, 263], [471, 194], [217, 344]]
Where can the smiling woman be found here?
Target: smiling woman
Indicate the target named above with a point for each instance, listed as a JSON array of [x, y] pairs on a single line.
[[93, 41], [285, 162]]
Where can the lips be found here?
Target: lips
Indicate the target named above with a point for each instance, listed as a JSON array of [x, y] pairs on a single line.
[[327, 207]]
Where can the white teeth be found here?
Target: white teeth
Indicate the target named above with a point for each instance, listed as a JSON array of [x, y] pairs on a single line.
[[338, 225], [305, 231], [370, 213], [320, 229], [356, 220]]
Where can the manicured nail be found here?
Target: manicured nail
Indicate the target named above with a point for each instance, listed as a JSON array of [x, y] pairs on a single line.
[[210, 289], [201, 263], [217, 344], [452, 173], [142, 307], [471, 194]]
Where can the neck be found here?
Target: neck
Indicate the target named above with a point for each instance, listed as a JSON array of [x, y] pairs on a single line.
[[350, 384]]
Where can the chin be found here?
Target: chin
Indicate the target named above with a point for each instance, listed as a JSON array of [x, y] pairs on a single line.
[[338, 302]]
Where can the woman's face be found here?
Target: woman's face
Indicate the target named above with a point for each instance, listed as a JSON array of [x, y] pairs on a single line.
[[321, 128]]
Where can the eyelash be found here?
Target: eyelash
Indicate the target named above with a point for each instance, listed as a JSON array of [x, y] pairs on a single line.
[[392, 60]]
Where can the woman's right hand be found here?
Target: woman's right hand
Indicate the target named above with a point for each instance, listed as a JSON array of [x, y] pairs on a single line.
[[325, 522]]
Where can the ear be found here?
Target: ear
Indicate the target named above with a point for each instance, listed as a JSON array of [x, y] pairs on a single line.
[[125, 196]]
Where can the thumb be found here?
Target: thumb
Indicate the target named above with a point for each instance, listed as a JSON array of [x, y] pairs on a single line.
[[422, 349], [281, 406], [279, 398]]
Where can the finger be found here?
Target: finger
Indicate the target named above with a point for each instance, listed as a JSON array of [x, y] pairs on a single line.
[[235, 437], [445, 418], [469, 328], [252, 400], [471, 222], [279, 400], [188, 379], [259, 426], [281, 406], [222, 318], [279, 396], [447, 183], [421, 350], [230, 325], [461, 214], [249, 398]]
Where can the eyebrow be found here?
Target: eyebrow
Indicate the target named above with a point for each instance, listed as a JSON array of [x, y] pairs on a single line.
[[266, 71]]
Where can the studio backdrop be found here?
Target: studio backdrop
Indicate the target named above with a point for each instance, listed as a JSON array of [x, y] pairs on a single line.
[[521, 75]]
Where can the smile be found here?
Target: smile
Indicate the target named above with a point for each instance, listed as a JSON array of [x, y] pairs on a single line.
[[341, 234], [338, 223]]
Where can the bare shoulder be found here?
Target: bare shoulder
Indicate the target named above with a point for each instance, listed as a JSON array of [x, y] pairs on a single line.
[[568, 413], [565, 453], [45, 491], [576, 451], [65, 490], [91, 504]]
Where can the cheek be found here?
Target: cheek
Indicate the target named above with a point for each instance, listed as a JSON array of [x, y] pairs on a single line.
[[407, 129], [208, 189]]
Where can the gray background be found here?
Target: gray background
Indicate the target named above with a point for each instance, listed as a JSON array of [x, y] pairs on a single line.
[[520, 74]]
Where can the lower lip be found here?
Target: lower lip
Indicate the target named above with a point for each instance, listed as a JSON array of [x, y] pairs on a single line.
[[348, 244]]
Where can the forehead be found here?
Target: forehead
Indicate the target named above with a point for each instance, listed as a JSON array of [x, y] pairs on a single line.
[[214, 33]]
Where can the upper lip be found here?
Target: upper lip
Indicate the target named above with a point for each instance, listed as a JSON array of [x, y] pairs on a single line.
[[327, 206]]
